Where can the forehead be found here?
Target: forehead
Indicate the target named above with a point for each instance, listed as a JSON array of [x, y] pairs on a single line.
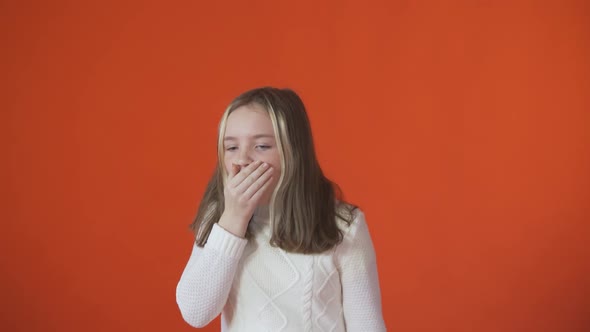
[[248, 120]]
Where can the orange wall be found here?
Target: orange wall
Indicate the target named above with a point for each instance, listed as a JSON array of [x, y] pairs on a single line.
[[462, 130]]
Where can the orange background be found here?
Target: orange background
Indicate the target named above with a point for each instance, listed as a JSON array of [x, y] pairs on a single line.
[[460, 127]]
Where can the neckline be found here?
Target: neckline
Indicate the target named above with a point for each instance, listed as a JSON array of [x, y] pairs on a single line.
[[261, 214]]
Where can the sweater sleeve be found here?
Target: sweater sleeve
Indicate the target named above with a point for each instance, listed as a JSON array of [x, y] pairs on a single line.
[[205, 283], [357, 264]]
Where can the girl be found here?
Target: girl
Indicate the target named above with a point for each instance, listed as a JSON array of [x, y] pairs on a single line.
[[275, 249]]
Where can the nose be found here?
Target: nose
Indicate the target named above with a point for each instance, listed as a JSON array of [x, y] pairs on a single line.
[[243, 160]]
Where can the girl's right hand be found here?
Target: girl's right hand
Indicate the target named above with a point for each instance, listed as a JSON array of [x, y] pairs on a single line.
[[243, 192]]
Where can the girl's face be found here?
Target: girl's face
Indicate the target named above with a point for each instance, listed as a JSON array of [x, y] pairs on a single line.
[[249, 136]]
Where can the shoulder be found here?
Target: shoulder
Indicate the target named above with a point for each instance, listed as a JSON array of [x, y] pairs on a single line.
[[349, 217], [353, 225]]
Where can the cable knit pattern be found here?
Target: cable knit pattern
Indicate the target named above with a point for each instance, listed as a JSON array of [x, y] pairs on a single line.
[[307, 296], [257, 287]]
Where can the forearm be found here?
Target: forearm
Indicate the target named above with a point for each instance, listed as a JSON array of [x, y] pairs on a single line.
[[204, 286]]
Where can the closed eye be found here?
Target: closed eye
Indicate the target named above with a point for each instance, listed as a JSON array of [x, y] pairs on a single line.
[[231, 148], [263, 147]]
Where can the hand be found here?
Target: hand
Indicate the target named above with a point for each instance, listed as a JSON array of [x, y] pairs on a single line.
[[243, 192]]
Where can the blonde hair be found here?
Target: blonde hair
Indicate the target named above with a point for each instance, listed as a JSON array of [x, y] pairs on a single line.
[[305, 205]]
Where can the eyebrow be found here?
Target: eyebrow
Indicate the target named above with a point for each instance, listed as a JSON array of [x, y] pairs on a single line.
[[231, 138]]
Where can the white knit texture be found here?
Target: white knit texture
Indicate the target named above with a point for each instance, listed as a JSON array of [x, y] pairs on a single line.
[[260, 288]]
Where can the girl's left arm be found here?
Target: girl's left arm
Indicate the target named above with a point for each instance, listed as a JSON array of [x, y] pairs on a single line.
[[361, 295]]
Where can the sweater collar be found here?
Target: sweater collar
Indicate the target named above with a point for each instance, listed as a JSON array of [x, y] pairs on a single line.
[[261, 214]]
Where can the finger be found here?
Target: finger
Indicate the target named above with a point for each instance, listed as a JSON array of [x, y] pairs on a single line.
[[258, 184], [252, 177], [243, 174], [262, 190], [235, 169]]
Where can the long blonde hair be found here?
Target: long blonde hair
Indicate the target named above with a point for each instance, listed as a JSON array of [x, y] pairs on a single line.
[[305, 205]]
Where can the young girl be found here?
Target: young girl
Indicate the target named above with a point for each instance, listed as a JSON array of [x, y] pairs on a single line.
[[275, 249]]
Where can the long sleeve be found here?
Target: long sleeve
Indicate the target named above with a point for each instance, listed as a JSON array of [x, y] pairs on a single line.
[[361, 294], [205, 283]]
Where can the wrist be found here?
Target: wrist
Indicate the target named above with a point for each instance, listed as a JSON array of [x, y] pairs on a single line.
[[235, 224]]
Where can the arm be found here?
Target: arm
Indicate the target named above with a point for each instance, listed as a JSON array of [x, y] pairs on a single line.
[[205, 283], [357, 264]]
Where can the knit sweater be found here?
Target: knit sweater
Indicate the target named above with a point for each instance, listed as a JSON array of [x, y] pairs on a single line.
[[257, 287]]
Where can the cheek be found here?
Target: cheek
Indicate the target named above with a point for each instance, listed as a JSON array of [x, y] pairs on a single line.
[[277, 167], [227, 164], [275, 161]]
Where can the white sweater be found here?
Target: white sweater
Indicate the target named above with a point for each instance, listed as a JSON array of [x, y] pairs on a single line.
[[259, 288]]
